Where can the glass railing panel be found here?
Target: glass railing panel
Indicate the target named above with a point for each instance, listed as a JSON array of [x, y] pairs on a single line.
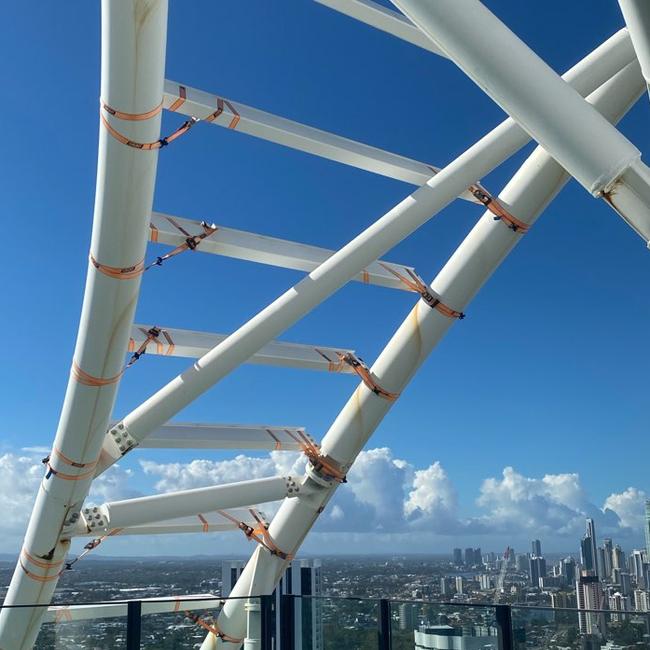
[[584, 630], [337, 623], [423, 625], [182, 623]]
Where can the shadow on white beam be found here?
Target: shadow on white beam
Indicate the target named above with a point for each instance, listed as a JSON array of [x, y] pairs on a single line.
[[187, 343], [386, 20], [233, 115], [252, 247], [224, 436], [208, 522], [69, 613]]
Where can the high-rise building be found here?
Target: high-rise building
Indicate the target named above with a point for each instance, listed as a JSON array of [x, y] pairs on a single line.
[[589, 595], [619, 603], [522, 563], [637, 566], [641, 600], [536, 548], [588, 554], [618, 558], [301, 578], [568, 570], [647, 529], [444, 586], [478, 557], [407, 616], [469, 557], [458, 557], [485, 581], [537, 570], [608, 548], [459, 585]]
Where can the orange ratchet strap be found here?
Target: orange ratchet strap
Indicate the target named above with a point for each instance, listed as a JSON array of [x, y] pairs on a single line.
[[151, 334], [88, 467], [322, 464], [417, 284], [499, 212], [89, 380], [146, 146], [92, 544], [191, 241], [214, 628], [259, 534], [42, 564], [361, 369], [116, 272]]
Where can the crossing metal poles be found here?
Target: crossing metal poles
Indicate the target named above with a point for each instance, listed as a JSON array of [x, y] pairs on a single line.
[[637, 19], [525, 196], [600, 158], [133, 57], [367, 247]]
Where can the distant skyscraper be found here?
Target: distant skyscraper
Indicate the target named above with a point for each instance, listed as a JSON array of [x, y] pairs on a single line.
[[641, 600], [536, 548], [469, 557], [537, 570], [568, 569], [619, 603], [647, 529], [458, 557], [459, 584], [588, 548], [608, 548], [444, 586], [618, 558], [478, 556], [636, 565], [522, 563], [301, 578], [589, 595]]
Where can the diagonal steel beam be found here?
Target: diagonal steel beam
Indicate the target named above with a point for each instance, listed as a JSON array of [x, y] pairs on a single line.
[[593, 151]]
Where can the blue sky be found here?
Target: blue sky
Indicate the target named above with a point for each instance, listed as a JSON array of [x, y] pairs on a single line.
[[548, 374]]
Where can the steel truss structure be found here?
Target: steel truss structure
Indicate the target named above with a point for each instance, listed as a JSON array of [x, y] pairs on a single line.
[[571, 117]]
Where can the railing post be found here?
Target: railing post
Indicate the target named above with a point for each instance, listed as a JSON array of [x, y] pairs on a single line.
[[385, 641], [287, 622], [504, 627], [133, 624], [266, 616]]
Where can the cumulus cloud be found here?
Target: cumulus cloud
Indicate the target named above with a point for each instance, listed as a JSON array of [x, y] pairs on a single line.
[[629, 506], [555, 505], [19, 480]]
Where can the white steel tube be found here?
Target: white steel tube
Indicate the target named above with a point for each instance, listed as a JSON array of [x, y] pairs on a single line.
[[525, 196], [384, 19], [637, 19], [179, 435], [370, 245], [133, 57], [252, 247], [62, 614], [582, 141], [158, 507]]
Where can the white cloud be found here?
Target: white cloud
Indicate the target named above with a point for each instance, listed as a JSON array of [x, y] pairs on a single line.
[[629, 506], [20, 477]]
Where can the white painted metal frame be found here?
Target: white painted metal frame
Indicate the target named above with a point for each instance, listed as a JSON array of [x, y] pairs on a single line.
[[607, 165], [252, 247], [187, 343], [637, 19]]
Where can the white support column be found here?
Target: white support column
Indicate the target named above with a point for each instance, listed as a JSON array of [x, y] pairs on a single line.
[[133, 60], [151, 509], [252, 247], [173, 342], [370, 245], [179, 435], [600, 158], [637, 19], [266, 126], [525, 196]]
